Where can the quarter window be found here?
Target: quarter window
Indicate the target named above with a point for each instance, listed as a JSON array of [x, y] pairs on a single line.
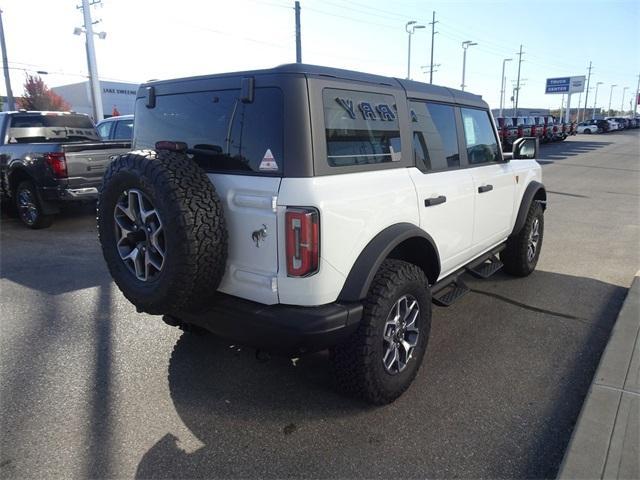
[[482, 145], [435, 137], [361, 128]]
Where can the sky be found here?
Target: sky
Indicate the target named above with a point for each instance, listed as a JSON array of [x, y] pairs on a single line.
[[158, 39]]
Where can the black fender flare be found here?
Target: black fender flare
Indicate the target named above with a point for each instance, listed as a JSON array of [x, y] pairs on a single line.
[[534, 191], [361, 276]]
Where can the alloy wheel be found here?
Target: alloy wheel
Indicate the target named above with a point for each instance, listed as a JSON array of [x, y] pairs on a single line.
[[140, 236], [400, 334], [534, 239]]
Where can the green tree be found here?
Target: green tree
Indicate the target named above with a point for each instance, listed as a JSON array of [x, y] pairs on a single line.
[[37, 96]]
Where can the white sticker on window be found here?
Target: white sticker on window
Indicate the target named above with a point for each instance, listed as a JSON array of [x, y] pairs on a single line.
[[268, 163]]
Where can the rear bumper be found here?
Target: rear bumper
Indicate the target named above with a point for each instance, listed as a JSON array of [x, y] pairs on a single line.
[[288, 329], [61, 194]]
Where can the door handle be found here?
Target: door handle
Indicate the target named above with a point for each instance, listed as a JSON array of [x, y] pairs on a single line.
[[485, 188], [430, 202]]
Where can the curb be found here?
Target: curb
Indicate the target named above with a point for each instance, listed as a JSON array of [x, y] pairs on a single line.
[[606, 440]]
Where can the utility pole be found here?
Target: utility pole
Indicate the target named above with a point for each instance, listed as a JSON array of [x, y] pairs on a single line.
[[579, 103], [5, 66], [561, 106], [94, 80], [433, 34], [518, 81], [298, 36], [586, 95], [503, 86], [610, 97], [595, 101]]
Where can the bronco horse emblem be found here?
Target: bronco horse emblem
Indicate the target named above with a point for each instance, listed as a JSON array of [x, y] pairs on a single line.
[[259, 235]]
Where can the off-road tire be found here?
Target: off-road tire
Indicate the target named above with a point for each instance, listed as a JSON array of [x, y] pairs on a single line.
[[357, 363], [193, 224], [41, 220], [514, 256]]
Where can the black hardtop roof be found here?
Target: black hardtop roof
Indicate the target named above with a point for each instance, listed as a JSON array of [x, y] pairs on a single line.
[[412, 88]]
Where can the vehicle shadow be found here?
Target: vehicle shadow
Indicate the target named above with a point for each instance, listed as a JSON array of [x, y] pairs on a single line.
[[55, 260], [503, 382], [569, 148]]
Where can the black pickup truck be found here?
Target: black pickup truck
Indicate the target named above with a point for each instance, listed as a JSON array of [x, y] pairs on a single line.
[[47, 158]]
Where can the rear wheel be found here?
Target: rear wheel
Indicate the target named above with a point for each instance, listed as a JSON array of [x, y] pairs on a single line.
[[29, 208], [381, 359]]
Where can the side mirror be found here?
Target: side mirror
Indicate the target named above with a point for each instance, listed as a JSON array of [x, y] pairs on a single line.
[[526, 148]]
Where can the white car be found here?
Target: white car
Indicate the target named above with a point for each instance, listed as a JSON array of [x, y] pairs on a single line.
[[613, 125], [587, 128], [302, 208]]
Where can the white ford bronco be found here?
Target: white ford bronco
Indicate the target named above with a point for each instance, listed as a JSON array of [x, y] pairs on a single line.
[[303, 208]]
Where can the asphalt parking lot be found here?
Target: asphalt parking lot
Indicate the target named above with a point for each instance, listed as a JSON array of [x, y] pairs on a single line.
[[90, 388]]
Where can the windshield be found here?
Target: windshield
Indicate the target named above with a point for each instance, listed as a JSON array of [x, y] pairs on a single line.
[[54, 127]]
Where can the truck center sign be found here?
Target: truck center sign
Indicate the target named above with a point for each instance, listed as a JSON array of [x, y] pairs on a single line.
[[565, 85]]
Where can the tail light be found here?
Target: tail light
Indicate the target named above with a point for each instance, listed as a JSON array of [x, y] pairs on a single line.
[[303, 241], [57, 162]]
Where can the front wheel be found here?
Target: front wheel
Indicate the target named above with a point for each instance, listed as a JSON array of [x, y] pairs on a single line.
[[522, 252], [381, 359], [29, 207]]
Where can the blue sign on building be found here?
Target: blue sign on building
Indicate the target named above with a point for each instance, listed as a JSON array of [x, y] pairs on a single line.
[[558, 85]]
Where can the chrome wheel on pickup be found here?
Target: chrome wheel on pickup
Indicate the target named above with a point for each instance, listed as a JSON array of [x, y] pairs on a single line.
[[28, 206], [139, 235]]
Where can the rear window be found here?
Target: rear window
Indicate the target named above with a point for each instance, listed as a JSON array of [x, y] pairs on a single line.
[[38, 128], [361, 128], [223, 133]]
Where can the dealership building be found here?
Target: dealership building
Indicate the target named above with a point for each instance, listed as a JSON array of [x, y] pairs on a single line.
[[117, 97]]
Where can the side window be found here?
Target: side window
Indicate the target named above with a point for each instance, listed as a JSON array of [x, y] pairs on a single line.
[[435, 143], [124, 130], [361, 128], [104, 129], [482, 145]]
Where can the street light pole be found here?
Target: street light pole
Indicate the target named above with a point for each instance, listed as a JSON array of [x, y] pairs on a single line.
[[5, 63], [610, 97], [502, 85], [595, 101], [624, 90], [94, 81], [410, 27], [466, 44]]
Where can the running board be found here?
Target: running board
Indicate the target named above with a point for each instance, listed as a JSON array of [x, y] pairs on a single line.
[[452, 287], [452, 292], [486, 268]]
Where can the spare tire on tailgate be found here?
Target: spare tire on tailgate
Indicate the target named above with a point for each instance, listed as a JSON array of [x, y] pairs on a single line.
[[162, 231]]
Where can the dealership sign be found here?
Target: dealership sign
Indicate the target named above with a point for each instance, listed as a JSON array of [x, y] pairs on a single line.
[[565, 85]]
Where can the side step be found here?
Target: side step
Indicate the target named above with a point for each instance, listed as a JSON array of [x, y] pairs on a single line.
[[485, 269], [450, 293]]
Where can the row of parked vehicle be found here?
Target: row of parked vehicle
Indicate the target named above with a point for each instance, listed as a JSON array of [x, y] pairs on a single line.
[[609, 124], [547, 128]]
